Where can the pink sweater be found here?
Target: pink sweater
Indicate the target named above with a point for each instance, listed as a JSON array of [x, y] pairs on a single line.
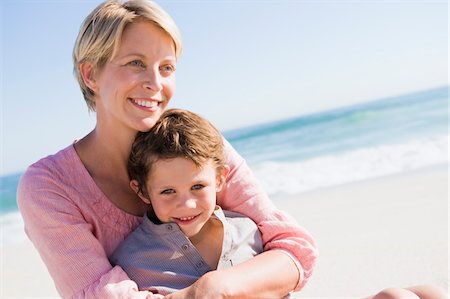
[[75, 227]]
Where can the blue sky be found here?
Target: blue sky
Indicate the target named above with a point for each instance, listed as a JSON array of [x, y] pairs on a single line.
[[244, 62]]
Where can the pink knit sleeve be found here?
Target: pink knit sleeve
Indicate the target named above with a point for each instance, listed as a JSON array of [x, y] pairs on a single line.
[[74, 257], [243, 194]]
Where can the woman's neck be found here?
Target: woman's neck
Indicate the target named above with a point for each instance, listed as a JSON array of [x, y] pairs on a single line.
[[104, 153], [109, 146]]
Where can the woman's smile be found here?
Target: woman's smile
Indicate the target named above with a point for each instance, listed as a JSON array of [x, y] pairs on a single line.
[[145, 103], [134, 88]]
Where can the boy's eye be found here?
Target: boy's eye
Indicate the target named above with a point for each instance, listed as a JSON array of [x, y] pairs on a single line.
[[198, 187], [168, 191], [137, 63]]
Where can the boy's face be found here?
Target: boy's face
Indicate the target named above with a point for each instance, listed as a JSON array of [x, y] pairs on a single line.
[[182, 193]]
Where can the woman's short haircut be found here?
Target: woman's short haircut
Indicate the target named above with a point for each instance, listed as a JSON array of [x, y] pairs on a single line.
[[101, 32]]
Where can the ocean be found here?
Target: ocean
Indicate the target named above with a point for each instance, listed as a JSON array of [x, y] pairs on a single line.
[[334, 147]]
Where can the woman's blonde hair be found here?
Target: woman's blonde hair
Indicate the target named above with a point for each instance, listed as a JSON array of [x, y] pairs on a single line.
[[101, 32]]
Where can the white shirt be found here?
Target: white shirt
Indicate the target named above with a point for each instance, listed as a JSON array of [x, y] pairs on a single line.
[[160, 258]]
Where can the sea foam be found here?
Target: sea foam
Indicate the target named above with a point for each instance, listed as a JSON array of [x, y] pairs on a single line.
[[12, 229], [291, 177]]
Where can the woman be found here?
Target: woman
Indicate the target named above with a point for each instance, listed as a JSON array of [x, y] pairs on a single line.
[[77, 205]]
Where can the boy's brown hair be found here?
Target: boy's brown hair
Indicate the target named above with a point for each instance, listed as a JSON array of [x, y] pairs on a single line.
[[178, 133]]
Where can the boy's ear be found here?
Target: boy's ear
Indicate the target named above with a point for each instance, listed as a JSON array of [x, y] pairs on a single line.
[[135, 186], [87, 72], [222, 177]]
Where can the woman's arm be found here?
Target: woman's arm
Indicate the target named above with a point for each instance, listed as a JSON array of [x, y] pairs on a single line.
[[74, 257], [273, 272]]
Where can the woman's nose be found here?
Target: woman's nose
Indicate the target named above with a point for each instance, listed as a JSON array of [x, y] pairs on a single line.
[[153, 80]]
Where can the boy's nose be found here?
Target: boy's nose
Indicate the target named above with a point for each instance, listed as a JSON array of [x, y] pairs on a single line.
[[187, 201], [190, 203]]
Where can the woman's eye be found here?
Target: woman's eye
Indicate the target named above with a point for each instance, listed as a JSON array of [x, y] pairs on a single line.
[[198, 187], [137, 63], [167, 69], [168, 191]]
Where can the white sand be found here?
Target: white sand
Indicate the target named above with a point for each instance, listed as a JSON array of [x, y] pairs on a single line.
[[371, 235], [374, 234], [23, 274]]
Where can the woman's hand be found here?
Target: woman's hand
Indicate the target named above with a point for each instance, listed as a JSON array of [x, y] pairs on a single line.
[[271, 274], [207, 286]]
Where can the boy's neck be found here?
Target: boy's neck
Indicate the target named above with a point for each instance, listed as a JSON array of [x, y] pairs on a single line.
[[209, 241]]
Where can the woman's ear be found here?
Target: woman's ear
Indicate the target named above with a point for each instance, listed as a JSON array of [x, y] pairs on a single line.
[[87, 72], [135, 186], [221, 177]]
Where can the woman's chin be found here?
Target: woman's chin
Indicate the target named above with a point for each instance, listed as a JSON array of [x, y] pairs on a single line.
[[146, 125]]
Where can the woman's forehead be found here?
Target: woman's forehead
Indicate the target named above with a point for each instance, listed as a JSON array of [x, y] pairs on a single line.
[[145, 37]]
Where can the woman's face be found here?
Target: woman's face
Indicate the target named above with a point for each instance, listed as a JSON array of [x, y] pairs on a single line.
[[134, 88]]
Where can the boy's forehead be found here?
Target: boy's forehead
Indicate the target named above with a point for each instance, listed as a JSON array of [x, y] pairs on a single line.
[[182, 161], [174, 168]]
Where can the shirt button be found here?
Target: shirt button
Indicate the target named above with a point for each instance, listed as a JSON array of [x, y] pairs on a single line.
[[185, 247], [199, 264], [169, 227]]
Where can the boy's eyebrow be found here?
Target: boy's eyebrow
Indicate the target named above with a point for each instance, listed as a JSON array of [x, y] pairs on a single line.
[[203, 181], [160, 187]]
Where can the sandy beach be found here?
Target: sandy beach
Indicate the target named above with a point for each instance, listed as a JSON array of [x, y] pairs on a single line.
[[391, 231]]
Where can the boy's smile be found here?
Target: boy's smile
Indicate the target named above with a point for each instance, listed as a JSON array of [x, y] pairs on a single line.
[[181, 192]]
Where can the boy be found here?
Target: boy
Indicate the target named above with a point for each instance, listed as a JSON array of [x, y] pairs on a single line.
[[177, 168]]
